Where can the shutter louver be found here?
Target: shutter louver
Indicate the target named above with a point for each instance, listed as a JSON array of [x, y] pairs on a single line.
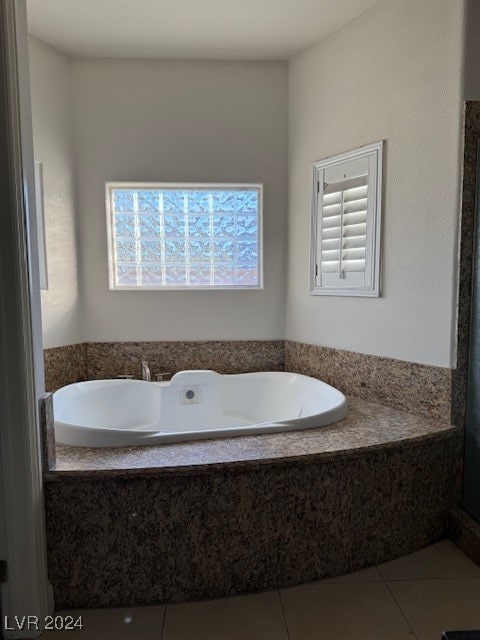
[[344, 226]]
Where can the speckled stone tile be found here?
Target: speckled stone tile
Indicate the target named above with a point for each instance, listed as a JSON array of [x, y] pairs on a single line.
[[134, 540], [367, 426], [414, 485], [458, 464], [100, 360], [471, 136], [434, 466], [465, 532], [110, 359], [64, 365], [417, 388], [47, 432], [173, 539]]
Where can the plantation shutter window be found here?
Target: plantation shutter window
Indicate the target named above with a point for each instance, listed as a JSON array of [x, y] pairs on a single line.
[[346, 224]]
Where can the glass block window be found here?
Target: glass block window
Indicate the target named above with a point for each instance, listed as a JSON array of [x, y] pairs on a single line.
[[184, 236]]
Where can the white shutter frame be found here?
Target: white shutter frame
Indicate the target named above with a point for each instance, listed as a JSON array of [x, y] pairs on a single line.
[[344, 169]]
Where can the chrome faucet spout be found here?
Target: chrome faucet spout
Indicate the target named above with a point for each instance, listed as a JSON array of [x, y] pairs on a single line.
[[146, 371]]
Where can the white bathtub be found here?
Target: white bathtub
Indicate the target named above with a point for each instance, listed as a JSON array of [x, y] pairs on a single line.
[[192, 406]]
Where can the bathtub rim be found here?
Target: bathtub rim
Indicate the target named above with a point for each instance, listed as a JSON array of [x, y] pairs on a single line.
[[329, 416]]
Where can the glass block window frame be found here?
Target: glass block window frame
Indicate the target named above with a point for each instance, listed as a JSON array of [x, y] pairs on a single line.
[[184, 236]]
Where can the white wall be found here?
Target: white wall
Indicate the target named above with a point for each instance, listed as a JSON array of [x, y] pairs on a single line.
[[53, 145], [394, 73], [181, 121]]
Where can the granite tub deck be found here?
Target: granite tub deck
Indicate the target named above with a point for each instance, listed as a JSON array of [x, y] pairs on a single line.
[[207, 519]]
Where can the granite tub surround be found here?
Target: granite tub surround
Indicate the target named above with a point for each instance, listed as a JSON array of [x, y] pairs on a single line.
[[417, 388], [64, 365], [367, 427], [465, 532], [109, 359], [101, 360], [47, 432], [206, 519], [218, 530]]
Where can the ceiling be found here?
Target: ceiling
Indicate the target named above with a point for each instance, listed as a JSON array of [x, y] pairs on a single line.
[[203, 29]]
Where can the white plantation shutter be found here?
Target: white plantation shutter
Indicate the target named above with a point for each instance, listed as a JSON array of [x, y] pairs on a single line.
[[345, 226]]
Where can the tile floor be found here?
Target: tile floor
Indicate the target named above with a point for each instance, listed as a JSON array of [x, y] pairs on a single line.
[[416, 597]]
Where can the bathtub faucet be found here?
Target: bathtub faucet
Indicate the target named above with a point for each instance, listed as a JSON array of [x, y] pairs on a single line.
[[146, 371]]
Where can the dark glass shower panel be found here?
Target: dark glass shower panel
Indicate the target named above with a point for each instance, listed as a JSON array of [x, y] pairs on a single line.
[[471, 484]]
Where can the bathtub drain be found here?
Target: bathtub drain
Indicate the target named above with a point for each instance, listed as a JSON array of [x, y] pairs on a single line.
[[190, 395]]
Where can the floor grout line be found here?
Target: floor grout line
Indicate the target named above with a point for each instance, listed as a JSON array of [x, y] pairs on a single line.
[[431, 579], [163, 622], [284, 614], [385, 582], [327, 581], [377, 567], [401, 610]]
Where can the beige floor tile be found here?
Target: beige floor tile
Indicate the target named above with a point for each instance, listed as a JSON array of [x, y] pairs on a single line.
[[441, 560], [255, 617], [347, 611], [364, 575], [434, 606], [139, 623]]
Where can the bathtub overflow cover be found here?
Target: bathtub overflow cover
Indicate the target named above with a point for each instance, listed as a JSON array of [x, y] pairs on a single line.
[[190, 394]]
